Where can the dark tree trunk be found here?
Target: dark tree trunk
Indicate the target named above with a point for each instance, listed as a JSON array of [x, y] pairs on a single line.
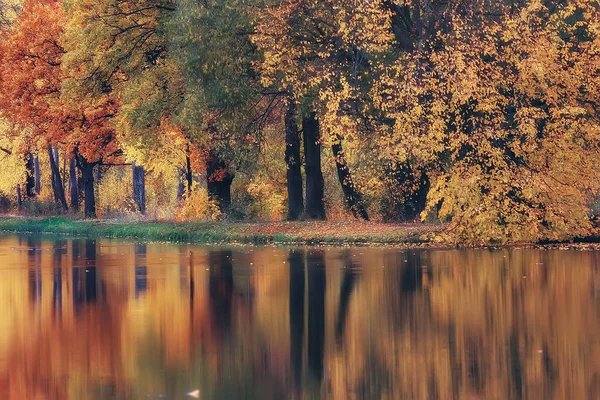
[[57, 186], [294, 168], [218, 181], [408, 189], [19, 198], [349, 282], [73, 184], [139, 188], [89, 199], [189, 177], [65, 179], [353, 197], [36, 175], [181, 185], [315, 185], [221, 291], [30, 180], [317, 284], [297, 283]]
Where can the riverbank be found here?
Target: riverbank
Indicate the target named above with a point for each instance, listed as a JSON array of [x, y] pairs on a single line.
[[219, 232]]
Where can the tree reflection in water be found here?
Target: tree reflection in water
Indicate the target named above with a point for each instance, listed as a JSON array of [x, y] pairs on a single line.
[[85, 319]]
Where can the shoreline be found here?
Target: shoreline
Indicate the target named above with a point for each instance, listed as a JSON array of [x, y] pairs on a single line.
[[284, 233], [297, 233]]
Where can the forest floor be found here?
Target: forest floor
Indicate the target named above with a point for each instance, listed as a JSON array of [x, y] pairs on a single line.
[[335, 233]]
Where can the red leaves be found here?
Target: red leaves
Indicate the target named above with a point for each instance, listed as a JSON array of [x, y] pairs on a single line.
[[31, 82]]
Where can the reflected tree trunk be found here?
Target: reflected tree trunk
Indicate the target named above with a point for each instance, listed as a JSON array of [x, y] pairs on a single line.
[[85, 288], [297, 288], [220, 290], [34, 255], [317, 282], [59, 250], [140, 269], [349, 280]]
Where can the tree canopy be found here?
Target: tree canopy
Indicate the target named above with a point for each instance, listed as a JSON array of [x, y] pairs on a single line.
[[481, 115]]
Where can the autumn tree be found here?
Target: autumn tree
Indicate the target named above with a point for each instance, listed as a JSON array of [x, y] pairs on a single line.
[[9, 10], [27, 83], [505, 117], [171, 80], [319, 52], [31, 82], [224, 106]]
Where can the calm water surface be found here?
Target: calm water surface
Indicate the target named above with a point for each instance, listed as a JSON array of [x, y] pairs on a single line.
[[87, 319]]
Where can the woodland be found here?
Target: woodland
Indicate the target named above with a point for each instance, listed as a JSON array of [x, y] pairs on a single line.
[[482, 116]]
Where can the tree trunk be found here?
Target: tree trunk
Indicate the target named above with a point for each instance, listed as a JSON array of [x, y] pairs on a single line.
[[292, 159], [73, 184], [181, 185], [315, 185], [19, 198], [36, 175], [65, 179], [30, 180], [353, 197], [57, 186], [87, 172], [408, 192], [218, 181], [139, 188], [189, 177]]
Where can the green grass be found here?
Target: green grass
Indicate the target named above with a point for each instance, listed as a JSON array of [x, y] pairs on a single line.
[[304, 232]]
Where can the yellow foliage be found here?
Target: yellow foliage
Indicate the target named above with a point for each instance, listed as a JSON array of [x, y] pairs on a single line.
[[198, 207], [267, 202], [114, 192]]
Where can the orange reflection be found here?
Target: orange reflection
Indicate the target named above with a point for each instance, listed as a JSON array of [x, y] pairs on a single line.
[[84, 319]]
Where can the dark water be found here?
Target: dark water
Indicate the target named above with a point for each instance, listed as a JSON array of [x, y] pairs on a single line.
[[85, 319]]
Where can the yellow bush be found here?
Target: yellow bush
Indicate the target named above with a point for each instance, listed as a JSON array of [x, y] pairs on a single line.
[[114, 192], [198, 206], [267, 202]]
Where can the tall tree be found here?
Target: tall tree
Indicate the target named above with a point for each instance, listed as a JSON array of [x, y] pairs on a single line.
[[293, 163], [315, 184], [504, 116], [31, 84], [317, 52]]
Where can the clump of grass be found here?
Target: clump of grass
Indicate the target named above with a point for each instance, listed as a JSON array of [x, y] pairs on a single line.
[[309, 233]]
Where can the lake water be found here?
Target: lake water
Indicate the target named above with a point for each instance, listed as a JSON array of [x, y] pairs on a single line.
[[100, 319]]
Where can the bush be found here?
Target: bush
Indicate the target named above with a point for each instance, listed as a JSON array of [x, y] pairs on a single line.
[[5, 204], [266, 203], [198, 207]]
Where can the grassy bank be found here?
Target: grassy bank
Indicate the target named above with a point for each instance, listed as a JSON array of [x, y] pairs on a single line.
[[301, 233]]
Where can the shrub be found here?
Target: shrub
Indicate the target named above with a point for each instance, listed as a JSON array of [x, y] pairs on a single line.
[[198, 207], [267, 202]]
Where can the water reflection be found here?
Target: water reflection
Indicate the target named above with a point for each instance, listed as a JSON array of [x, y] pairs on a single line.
[[85, 319]]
